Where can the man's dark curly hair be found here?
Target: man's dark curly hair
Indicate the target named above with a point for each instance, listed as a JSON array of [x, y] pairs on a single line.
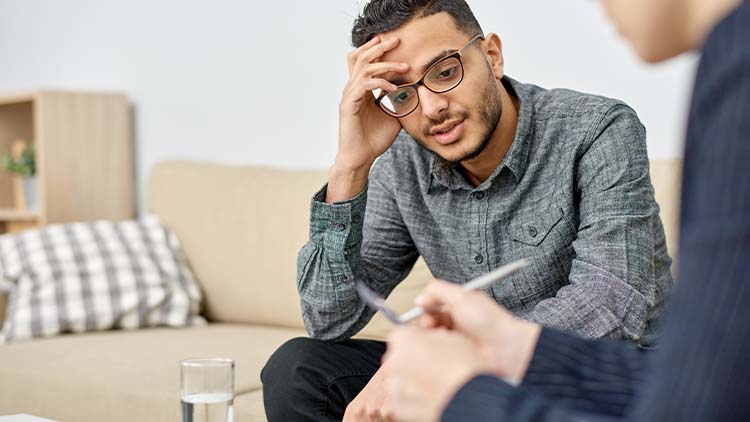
[[386, 15]]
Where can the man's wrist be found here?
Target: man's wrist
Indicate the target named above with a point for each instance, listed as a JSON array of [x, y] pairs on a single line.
[[345, 182], [514, 347]]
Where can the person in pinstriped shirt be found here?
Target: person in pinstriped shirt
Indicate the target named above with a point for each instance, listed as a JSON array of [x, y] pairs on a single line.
[[700, 370]]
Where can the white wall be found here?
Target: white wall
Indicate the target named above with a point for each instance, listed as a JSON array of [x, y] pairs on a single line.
[[259, 82]]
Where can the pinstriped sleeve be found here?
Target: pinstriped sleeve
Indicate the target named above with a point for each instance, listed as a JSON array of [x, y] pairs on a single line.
[[569, 379], [600, 377]]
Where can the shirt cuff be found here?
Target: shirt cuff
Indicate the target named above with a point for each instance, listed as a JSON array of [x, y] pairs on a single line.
[[338, 225]]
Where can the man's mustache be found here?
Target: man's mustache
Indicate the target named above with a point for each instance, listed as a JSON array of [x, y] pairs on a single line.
[[463, 115]]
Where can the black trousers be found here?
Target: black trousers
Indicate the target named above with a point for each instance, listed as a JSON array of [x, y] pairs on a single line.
[[313, 380]]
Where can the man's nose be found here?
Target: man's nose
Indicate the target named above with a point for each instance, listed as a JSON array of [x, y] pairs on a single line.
[[433, 105]]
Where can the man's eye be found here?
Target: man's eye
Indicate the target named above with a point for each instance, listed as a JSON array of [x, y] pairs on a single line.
[[400, 97], [447, 73]]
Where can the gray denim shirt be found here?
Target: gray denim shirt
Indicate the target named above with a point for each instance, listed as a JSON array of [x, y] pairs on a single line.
[[573, 195]]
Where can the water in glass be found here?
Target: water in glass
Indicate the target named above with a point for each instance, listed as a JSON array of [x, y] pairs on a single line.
[[207, 390], [208, 407]]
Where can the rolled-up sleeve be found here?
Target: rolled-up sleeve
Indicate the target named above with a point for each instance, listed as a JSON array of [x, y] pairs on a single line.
[[617, 275]]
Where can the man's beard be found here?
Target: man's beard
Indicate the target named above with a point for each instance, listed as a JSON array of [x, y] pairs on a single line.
[[490, 111]]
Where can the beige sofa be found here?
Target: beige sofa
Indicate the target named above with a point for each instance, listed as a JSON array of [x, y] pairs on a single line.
[[241, 228]]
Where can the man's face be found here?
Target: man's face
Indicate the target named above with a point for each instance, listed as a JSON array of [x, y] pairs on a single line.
[[457, 124], [655, 28]]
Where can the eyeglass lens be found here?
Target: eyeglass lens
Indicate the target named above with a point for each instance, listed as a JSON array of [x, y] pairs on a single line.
[[441, 77]]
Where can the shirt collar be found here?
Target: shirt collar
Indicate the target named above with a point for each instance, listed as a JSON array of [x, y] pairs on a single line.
[[516, 159]]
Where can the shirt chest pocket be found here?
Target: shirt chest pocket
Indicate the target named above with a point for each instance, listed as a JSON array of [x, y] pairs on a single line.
[[544, 237], [534, 229]]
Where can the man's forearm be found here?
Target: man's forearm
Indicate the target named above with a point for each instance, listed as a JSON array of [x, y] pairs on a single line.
[[341, 249], [327, 266], [599, 305]]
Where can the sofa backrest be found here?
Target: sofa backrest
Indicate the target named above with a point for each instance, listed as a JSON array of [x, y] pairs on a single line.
[[242, 226], [666, 176]]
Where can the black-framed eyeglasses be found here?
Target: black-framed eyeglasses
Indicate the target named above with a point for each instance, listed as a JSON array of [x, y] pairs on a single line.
[[446, 74]]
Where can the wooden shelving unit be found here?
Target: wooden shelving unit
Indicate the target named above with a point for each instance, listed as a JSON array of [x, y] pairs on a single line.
[[84, 157]]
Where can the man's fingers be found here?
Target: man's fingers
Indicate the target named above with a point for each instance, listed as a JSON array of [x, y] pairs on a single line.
[[355, 94], [428, 321], [352, 57], [381, 68], [439, 293], [373, 53], [400, 338], [435, 320]]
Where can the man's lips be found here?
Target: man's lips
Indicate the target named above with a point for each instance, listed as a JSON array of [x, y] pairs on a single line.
[[449, 132]]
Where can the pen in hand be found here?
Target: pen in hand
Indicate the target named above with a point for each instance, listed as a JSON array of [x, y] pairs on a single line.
[[378, 303], [478, 283]]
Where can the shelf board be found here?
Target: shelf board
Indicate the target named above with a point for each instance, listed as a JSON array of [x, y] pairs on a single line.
[[10, 214]]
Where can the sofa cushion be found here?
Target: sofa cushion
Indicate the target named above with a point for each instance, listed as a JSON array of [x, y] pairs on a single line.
[[131, 379], [81, 277], [251, 406]]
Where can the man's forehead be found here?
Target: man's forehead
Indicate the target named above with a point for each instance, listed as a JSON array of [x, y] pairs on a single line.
[[422, 39]]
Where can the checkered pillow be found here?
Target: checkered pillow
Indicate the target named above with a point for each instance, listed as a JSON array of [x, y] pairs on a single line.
[[78, 277]]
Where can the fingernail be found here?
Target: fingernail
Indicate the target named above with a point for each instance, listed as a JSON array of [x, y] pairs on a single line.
[[419, 300]]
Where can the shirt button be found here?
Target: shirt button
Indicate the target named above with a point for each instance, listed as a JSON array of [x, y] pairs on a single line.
[[478, 195], [478, 258], [339, 227], [532, 231], [344, 278]]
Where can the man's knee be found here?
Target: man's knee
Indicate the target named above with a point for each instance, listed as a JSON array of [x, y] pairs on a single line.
[[288, 358], [292, 380]]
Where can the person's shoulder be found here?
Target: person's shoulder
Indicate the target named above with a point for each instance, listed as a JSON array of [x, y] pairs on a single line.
[[725, 49], [583, 118], [730, 37], [724, 70], [569, 103]]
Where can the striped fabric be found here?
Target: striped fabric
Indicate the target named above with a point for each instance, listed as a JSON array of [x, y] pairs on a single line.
[[700, 370], [79, 277]]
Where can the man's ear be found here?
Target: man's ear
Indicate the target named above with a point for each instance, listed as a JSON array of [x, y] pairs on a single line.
[[493, 49]]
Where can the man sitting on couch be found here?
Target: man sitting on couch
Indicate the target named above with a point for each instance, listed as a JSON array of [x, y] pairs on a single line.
[[474, 170]]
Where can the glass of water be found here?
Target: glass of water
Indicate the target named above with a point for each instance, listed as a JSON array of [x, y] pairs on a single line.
[[207, 390]]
